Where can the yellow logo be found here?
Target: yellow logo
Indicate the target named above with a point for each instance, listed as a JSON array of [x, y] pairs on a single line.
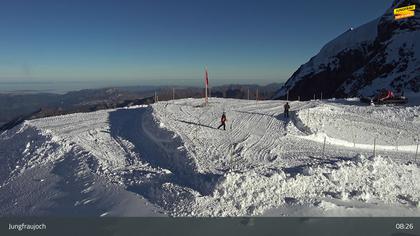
[[404, 12]]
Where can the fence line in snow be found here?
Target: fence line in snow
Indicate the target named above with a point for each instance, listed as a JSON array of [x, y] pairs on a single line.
[[398, 148]]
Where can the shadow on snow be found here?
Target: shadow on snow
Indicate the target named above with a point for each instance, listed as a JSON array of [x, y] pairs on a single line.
[[127, 124], [194, 123]]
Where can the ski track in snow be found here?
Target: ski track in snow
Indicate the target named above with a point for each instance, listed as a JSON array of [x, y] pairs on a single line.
[[172, 155]]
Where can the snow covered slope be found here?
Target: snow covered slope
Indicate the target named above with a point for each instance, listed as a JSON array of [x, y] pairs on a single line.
[[383, 53], [170, 159]]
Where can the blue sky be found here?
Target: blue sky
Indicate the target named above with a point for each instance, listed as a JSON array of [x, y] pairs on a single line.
[[163, 42]]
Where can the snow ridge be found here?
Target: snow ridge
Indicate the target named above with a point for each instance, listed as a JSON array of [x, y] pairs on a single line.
[[169, 158]]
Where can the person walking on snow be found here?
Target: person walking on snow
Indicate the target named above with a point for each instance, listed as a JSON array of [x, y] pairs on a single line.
[[286, 110], [223, 122]]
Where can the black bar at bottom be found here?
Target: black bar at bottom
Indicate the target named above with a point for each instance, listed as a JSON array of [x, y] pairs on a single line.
[[260, 226]]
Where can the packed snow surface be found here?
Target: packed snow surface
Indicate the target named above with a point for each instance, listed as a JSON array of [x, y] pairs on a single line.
[[333, 157]]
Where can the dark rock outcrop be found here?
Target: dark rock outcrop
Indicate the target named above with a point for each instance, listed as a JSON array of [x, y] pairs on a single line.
[[384, 53]]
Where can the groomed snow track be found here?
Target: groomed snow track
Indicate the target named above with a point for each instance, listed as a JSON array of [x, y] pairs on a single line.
[[171, 155], [162, 149]]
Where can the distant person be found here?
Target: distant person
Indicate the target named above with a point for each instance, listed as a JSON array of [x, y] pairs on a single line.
[[286, 110], [400, 92], [223, 121]]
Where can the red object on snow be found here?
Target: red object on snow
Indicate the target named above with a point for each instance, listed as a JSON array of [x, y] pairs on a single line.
[[223, 119], [389, 94]]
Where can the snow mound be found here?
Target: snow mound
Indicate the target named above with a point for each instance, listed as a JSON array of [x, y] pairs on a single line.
[[360, 178], [394, 128], [170, 157], [24, 147]]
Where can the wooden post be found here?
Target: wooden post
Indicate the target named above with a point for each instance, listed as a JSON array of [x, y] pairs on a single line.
[[314, 97], [256, 95], [207, 85], [248, 93], [307, 116], [173, 93], [374, 147], [155, 97], [298, 98], [321, 96], [354, 140], [206, 99]]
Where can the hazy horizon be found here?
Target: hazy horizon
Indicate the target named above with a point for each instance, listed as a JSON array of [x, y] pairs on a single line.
[[160, 42], [61, 87]]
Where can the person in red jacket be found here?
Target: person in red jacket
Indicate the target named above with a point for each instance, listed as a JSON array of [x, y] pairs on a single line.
[[223, 121]]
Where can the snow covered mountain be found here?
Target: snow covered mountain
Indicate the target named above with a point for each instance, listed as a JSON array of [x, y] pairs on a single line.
[[169, 159], [384, 53]]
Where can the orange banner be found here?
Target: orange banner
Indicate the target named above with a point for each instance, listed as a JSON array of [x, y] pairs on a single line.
[[404, 12], [406, 15]]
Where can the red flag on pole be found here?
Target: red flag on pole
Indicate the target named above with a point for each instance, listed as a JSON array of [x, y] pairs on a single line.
[[207, 78], [207, 85]]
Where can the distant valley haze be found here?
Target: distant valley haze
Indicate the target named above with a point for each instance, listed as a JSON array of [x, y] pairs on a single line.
[[59, 46], [61, 87]]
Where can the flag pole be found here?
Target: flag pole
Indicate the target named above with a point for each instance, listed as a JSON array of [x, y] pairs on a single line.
[[207, 85]]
